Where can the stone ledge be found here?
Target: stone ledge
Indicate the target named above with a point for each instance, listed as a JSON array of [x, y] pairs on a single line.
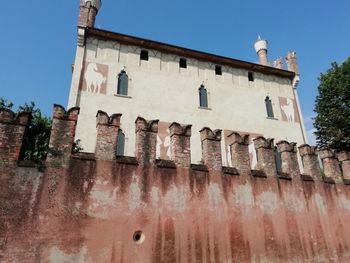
[[84, 156], [284, 176], [258, 173], [306, 177], [230, 170], [346, 181], [165, 164], [127, 160], [328, 180], [199, 167]]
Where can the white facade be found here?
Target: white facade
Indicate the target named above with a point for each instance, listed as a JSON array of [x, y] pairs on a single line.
[[160, 89]]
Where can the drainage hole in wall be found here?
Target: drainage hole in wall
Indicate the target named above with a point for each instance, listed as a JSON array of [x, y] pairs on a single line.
[[139, 237]]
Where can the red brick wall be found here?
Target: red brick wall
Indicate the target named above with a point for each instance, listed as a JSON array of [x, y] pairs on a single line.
[[137, 209]]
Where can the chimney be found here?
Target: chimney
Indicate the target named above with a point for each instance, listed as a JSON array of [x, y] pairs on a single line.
[[291, 60], [278, 63], [88, 12], [261, 49]]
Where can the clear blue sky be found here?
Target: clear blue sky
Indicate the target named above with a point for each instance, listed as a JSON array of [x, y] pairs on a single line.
[[38, 38]]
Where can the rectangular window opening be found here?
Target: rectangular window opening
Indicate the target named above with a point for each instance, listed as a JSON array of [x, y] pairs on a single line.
[[144, 55], [250, 76], [183, 63], [218, 70]]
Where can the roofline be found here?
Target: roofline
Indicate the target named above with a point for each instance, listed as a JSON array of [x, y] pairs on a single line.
[[186, 52]]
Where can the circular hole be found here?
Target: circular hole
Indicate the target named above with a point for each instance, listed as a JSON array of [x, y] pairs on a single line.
[[139, 237]]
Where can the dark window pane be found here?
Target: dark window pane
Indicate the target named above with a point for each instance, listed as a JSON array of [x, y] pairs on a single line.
[[120, 143], [144, 55], [203, 97], [123, 82], [218, 70], [183, 63], [278, 161], [250, 76], [269, 108]]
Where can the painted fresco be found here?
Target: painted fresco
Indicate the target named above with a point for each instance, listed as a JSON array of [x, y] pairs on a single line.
[[163, 141], [289, 110], [252, 152], [95, 78]]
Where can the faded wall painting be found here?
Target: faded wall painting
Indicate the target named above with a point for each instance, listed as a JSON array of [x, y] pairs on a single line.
[[289, 109], [252, 152], [163, 150], [94, 78]]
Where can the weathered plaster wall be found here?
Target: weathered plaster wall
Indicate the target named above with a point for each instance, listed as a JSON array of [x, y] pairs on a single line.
[[159, 89], [88, 207]]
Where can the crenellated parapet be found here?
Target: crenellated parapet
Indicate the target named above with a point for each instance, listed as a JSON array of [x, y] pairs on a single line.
[[62, 134], [211, 148], [146, 140], [12, 130], [331, 167], [180, 143], [309, 157], [239, 151], [288, 152], [265, 155], [107, 135], [336, 166]]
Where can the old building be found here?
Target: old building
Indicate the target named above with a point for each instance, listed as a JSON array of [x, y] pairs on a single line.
[[95, 206], [139, 77]]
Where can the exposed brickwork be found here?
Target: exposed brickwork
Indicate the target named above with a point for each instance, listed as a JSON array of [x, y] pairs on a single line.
[[107, 135], [240, 152], [211, 148], [87, 14], [12, 130], [344, 159], [88, 209], [278, 63], [265, 155], [180, 143], [291, 60], [289, 158], [146, 140], [310, 161], [62, 134], [331, 165]]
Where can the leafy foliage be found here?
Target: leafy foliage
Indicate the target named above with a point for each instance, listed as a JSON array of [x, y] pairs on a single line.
[[332, 106], [36, 141], [5, 104]]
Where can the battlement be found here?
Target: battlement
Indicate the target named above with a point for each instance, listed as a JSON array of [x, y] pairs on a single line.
[[12, 129], [84, 204], [335, 165]]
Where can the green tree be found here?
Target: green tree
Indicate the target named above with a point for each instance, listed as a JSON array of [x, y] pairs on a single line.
[[36, 140], [332, 106]]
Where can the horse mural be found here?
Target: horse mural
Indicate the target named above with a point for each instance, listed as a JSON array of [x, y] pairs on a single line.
[[95, 78]]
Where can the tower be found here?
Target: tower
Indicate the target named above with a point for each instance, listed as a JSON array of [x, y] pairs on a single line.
[[261, 49], [88, 12]]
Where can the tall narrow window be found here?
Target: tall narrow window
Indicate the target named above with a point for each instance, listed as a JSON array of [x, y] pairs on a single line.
[[278, 161], [123, 82], [250, 76], [203, 97], [218, 70], [269, 109], [144, 55], [183, 63], [120, 143]]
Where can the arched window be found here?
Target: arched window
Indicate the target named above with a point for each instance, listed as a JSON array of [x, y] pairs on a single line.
[[120, 143], [203, 97], [123, 82], [269, 109]]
